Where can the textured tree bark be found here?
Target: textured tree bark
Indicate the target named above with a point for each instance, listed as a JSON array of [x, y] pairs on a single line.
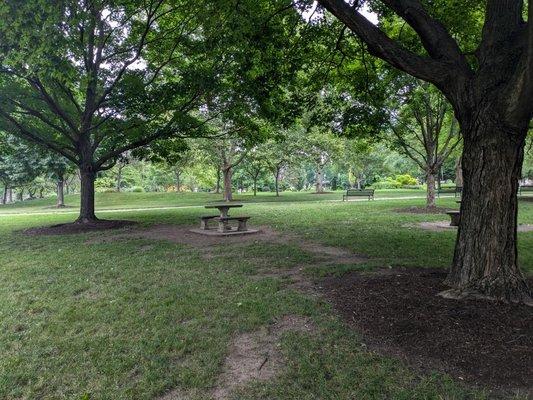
[[430, 196], [87, 215], [228, 194], [485, 258], [60, 193]]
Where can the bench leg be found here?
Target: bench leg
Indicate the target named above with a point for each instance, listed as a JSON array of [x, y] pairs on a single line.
[[223, 226], [204, 224], [242, 225]]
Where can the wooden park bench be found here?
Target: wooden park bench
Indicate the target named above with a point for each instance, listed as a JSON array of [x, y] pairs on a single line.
[[524, 188], [224, 226], [455, 190], [358, 193]]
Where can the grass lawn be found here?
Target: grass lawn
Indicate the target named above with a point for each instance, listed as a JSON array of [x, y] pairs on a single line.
[[83, 318], [126, 200]]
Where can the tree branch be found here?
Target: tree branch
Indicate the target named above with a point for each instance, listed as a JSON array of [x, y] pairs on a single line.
[[380, 45], [28, 134], [434, 36]]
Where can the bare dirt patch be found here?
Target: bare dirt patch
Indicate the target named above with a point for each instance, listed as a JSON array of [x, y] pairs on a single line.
[[74, 227], [421, 210], [399, 313], [256, 356], [182, 235]]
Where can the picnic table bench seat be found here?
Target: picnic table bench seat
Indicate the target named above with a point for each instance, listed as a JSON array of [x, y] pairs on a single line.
[[223, 223], [359, 193], [204, 221]]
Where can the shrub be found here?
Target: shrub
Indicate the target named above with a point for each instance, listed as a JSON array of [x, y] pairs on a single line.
[[388, 183], [137, 189], [406, 180]]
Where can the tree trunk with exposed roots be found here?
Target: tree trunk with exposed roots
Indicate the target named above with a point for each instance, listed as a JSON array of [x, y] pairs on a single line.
[[87, 177], [485, 257]]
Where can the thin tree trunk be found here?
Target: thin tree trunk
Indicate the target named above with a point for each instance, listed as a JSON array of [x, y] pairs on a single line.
[[177, 174], [4, 197], [87, 177], [60, 193], [217, 190], [485, 258], [255, 185], [276, 176], [228, 194], [430, 196], [21, 194], [119, 178], [319, 179], [10, 195]]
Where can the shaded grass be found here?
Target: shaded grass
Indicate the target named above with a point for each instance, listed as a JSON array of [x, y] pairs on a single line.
[[120, 320]]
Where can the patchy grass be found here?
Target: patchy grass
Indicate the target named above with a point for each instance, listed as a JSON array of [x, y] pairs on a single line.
[[133, 319]]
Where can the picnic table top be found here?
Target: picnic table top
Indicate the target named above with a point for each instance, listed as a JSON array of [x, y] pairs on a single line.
[[223, 205]]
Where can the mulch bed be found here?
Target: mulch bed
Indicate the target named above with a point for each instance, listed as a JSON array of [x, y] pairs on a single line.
[[74, 227], [422, 210], [482, 343]]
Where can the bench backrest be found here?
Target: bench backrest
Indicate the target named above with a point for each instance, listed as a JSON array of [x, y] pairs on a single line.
[[359, 192]]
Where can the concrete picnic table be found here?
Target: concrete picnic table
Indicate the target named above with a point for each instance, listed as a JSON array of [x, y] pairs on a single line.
[[223, 208]]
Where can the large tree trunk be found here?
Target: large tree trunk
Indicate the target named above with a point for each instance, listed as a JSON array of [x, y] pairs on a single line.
[[430, 196], [228, 194], [485, 258], [87, 177], [60, 192]]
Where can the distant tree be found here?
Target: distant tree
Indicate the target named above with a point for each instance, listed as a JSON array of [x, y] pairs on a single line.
[[20, 165], [360, 159], [424, 129], [254, 166], [319, 147]]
